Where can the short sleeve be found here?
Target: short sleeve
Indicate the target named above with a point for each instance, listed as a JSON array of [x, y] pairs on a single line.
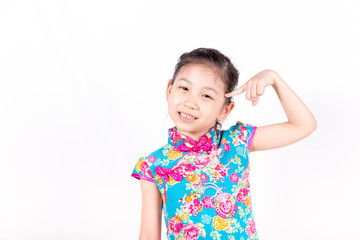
[[142, 169], [247, 133]]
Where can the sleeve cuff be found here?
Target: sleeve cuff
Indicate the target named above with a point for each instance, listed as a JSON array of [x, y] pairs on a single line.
[[138, 176], [252, 137]]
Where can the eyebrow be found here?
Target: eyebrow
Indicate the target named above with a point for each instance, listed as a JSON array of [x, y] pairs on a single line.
[[207, 88]]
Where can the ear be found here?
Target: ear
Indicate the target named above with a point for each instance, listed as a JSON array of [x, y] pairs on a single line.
[[225, 111], [168, 89]]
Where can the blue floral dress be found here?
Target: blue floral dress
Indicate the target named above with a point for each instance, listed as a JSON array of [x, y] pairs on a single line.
[[204, 184]]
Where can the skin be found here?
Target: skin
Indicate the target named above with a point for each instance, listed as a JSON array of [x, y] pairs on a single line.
[[199, 92], [301, 122], [190, 96]]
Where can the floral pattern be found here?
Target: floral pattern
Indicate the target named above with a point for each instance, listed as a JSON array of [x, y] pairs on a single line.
[[204, 184]]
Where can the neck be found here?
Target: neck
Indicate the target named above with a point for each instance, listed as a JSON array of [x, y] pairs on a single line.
[[194, 135]]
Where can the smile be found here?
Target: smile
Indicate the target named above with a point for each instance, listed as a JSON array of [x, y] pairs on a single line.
[[187, 116]]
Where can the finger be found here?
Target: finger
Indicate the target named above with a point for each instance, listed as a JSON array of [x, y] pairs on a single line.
[[236, 92], [248, 92], [240, 90], [260, 88], [253, 91], [255, 102]]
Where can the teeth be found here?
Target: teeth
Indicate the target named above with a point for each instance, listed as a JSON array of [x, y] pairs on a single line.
[[187, 116]]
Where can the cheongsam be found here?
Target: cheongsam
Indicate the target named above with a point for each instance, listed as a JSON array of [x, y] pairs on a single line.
[[204, 184]]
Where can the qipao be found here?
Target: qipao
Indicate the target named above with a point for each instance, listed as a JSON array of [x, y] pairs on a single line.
[[204, 184]]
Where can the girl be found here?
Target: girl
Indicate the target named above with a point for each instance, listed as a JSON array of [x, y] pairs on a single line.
[[200, 178]]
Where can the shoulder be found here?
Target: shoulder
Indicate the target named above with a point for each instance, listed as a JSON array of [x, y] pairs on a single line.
[[240, 128], [240, 133], [159, 153], [145, 166]]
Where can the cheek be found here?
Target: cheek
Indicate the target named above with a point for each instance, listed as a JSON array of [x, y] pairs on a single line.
[[170, 105], [218, 109], [211, 109], [173, 101]]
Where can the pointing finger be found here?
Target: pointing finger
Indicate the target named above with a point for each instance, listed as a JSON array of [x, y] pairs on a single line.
[[235, 92], [248, 92]]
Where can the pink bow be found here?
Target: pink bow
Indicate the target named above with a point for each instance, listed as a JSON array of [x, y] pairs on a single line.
[[204, 144], [166, 172]]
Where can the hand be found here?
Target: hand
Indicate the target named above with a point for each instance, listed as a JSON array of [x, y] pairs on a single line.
[[255, 87]]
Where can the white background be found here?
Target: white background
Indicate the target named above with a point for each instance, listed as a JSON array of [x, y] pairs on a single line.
[[82, 98]]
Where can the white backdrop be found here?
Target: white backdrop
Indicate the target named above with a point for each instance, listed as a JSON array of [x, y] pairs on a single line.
[[82, 98]]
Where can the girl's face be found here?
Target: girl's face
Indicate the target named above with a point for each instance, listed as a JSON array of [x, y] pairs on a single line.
[[196, 100]]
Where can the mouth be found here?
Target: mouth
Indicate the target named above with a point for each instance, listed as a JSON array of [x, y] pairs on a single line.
[[187, 116]]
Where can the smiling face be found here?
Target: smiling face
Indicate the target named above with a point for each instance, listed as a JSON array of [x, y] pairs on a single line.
[[196, 100]]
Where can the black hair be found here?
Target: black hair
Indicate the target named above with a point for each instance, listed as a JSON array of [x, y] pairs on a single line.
[[214, 58]]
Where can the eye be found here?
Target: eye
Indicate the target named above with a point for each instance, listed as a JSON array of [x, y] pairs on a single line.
[[207, 96], [183, 88]]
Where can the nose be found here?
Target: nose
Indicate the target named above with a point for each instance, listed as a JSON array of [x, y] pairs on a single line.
[[191, 103]]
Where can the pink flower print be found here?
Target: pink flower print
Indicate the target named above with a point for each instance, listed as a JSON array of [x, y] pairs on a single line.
[[175, 225], [152, 159], [245, 175], [223, 170], [226, 147], [243, 133], [193, 210], [195, 207], [175, 136], [203, 177], [241, 196], [192, 203], [208, 202], [144, 167], [191, 232], [226, 207], [217, 168], [250, 228], [145, 170], [234, 177], [184, 169], [241, 138], [202, 161], [197, 203]]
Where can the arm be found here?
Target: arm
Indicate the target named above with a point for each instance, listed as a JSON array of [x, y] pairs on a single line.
[[151, 211], [301, 121]]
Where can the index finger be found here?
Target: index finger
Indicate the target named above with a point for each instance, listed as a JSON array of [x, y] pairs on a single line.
[[235, 92]]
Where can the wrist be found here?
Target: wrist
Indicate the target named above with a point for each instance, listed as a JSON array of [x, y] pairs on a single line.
[[275, 78], [278, 81]]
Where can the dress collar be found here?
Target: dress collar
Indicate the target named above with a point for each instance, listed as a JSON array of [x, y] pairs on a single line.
[[184, 143]]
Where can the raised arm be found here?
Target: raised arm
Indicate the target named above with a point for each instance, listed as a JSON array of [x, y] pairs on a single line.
[[301, 121], [151, 211]]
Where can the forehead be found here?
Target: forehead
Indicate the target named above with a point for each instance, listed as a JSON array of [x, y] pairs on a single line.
[[201, 74]]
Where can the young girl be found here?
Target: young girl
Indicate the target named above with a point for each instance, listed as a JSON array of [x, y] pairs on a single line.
[[200, 178]]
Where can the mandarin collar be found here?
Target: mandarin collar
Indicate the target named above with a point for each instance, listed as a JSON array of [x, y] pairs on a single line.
[[175, 139]]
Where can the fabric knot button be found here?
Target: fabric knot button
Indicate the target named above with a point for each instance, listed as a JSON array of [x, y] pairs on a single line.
[[204, 144], [166, 173]]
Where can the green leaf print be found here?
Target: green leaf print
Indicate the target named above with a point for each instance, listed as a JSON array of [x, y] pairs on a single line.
[[228, 229], [216, 235], [180, 236], [188, 159], [202, 229], [164, 162], [242, 183]]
